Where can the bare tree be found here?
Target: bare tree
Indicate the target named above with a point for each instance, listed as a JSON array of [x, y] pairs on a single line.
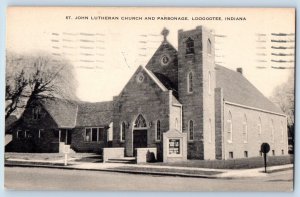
[[284, 96], [36, 77]]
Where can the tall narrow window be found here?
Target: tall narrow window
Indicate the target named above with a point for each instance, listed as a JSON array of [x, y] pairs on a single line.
[[208, 46], [210, 131], [259, 128], [209, 83], [282, 132], [158, 133], [176, 124], [122, 134], [190, 82], [229, 127], [190, 46], [191, 130], [272, 131], [245, 129]]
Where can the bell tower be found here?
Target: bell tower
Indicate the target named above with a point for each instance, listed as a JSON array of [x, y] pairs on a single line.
[[196, 84]]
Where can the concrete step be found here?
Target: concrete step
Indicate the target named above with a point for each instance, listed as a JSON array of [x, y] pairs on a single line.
[[122, 160]]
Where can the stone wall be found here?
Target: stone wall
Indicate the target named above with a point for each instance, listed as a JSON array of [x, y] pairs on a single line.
[[219, 123], [199, 104], [145, 98]]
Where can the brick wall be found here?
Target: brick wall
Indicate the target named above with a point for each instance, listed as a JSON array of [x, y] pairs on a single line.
[[48, 140], [254, 140], [78, 143]]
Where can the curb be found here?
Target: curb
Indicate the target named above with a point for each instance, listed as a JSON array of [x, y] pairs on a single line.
[[119, 171], [178, 174]]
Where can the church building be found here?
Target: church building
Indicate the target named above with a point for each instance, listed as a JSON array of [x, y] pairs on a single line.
[[223, 115], [180, 103]]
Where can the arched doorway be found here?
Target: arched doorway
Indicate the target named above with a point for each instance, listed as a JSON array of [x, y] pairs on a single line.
[[140, 133]]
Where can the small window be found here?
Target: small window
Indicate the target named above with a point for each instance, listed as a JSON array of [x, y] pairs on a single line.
[[245, 154], [123, 129], [158, 133], [41, 131], [88, 135], [191, 130], [101, 132], [95, 134], [36, 113], [229, 127], [208, 46], [230, 155], [282, 152], [273, 152], [21, 134], [190, 46], [190, 82]]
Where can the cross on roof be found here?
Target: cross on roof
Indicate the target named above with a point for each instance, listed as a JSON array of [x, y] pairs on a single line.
[[165, 33]]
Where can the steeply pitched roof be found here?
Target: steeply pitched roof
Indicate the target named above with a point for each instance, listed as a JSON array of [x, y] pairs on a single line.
[[237, 89], [72, 114], [62, 111], [167, 83], [94, 114]]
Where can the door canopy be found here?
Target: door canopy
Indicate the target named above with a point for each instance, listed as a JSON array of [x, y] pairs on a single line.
[[140, 122]]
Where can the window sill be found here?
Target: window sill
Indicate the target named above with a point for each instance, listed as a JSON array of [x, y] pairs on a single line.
[[229, 141]]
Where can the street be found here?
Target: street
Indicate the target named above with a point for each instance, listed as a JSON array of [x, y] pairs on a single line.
[[20, 178]]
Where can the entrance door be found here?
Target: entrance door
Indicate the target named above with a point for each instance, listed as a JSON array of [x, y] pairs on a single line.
[[66, 136], [139, 139]]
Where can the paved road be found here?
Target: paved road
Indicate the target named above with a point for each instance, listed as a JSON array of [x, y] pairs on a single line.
[[59, 179]]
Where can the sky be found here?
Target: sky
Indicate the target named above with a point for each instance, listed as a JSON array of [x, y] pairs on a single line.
[[106, 52]]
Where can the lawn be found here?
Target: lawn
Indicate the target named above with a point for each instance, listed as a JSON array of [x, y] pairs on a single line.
[[254, 162]]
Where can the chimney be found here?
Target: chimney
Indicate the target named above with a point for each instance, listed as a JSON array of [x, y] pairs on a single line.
[[239, 70]]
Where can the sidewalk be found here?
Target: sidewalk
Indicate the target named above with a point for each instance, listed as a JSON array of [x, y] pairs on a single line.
[[150, 169]]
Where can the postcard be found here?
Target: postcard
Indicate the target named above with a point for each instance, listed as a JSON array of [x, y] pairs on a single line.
[[149, 99]]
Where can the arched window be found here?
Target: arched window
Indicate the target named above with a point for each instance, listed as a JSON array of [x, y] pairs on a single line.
[[176, 123], [189, 43], [229, 127], [123, 130], [259, 128], [245, 129], [158, 133], [282, 132], [140, 122], [190, 82], [191, 130], [210, 131], [208, 46], [272, 131], [209, 83]]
